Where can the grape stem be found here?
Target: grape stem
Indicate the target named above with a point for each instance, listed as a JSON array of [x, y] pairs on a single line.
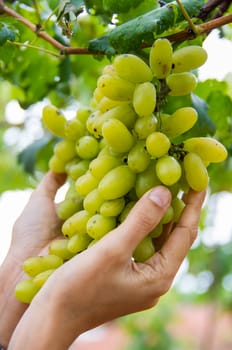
[[187, 34], [187, 17]]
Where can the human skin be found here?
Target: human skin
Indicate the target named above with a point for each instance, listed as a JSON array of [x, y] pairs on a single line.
[[103, 282]]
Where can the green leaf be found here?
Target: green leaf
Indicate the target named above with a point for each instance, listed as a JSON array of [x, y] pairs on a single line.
[[129, 36], [6, 34], [120, 6]]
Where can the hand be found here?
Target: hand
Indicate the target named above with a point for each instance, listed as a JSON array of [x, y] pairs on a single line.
[[103, 282], [33, 231]]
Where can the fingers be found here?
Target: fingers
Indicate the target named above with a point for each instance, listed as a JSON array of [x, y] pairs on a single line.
[[144, 216], [50, 183], [180, 240]]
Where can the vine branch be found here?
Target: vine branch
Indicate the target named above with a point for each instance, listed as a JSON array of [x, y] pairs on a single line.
[[183, 35]]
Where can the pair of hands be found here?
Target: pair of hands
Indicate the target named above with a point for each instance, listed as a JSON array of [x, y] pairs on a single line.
[[99, 284]]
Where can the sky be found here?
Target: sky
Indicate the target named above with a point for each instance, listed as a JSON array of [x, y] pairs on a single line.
[[217, 66]]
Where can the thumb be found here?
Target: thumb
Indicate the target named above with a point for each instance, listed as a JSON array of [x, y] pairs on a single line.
[[144, 217], [50, 183]]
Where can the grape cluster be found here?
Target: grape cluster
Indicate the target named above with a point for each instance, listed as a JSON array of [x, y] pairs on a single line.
[[119, 148]]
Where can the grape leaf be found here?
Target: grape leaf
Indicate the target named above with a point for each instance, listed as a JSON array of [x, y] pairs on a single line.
[[130, 35], [6, 34]]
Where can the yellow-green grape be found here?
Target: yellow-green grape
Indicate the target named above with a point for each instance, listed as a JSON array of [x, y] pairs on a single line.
[[93, 201], [65, 150], [195, 172], [101, 165], [59, 247], [144, 250], [161, 58], [117, 182], [179, 122], [138, 159], [76, 224], [126, 211], [133, 68], [106, 104], [168, 170], [209, 149], [98, 225], [116, 88], [69, 206], [188, 58], [79, 242], [181, 84], [168, 216], [87, 147], [86, 183], [157, 144], [113, 207], [145, 126], [146, 180], [97, 96], [178, 206], [117, 136], [74, 129], [36, 264], [83, 114], [74, 171], [56, 164], [157, 231], [144, 99], [25, 291], [42, 277], [54, 120]]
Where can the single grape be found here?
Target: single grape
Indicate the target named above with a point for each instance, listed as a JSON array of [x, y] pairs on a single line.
[[56, 164], [195, 172], [161, 58], [181, 84], [74, 129], [93, 201], [168, 170], [98, 225], [101, 165], [87, 147], [59, 247], [145, 126], [25, 291], [69, 206], [188, 58], [146, 180], [138, 159], [144, 250], [144, 99], [78, 169], [157, 144], [86, 183], [112, 207], [78, 243], [54, 120], [76, 224], [65, 150], [116, 88]]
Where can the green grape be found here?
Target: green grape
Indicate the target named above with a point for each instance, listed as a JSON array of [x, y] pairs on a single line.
[[56, 164], [179, 122], [34, 265], [54, 120], [65, 150], [133, 68], [178, 206], [69, 206], [116, 88], [209, 149], [181, 84], [144, 99], [98, 225], [188, 58], [157, 144], [145, 126], [168, 216], [113, 207], [93, 201], [87, 147], [117, 182], [105, 104], [83, 114], [74, 129], [78, 169], [168, 170], [144, 250], [161, 58], [146, 180], [76, 224], [25, 291], [42, 277], [157, 231], [90, 124], [79, 242], [101, 165], [86, 183], [117, 136], [126, 211], [138, 158], [59, 247], [195, 172]]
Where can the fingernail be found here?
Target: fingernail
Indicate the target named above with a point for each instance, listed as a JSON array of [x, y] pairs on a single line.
[[160, 196]]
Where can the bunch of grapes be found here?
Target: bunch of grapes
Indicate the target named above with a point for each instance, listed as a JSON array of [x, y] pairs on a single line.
[[119, 148]]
